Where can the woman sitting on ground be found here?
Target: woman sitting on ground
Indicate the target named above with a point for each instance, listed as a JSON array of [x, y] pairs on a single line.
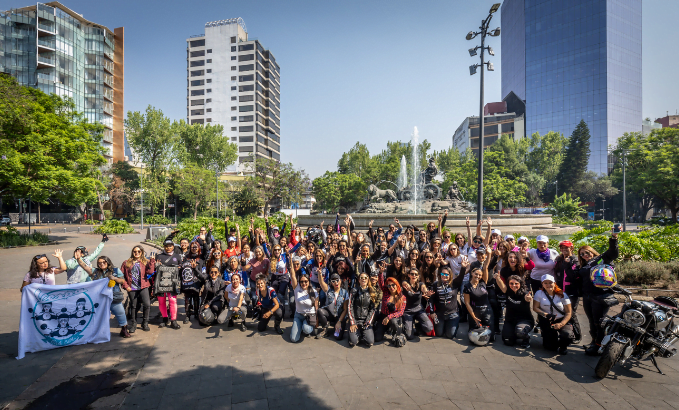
[[335, 310], [554, 313], [414, 291], [443, 301], [391, 311], [519, 319], [361, 307]]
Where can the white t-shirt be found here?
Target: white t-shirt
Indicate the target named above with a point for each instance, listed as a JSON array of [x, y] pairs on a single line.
[[545, 306], [542, 267], [303, 302], [455, 264], [234, 294], [44, 278]]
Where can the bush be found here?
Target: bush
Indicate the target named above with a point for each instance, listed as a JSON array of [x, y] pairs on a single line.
[[90, 222], [188, 228], [157, 220], [114, 226], [566, 207], [646, 272], [661, 221], [12, 237]]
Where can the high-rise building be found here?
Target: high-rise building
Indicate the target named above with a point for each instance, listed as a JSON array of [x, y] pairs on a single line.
[[500, 118], [51, 47], [235, 82], [575, 60]]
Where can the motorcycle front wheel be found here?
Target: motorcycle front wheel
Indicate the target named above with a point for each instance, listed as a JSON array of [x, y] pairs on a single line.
[[609, 358]]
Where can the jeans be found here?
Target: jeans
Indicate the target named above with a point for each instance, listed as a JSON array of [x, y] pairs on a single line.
[[447, 325], [485, 315], [553, 339], [191, 303], [228, 312], [409, 322], [519, 331], [395, 326], [325, 317], [277, 318], [366, 334], [595, 312], [172, 300], [135, 297], [300, 324], [280, 286], [119, 311]]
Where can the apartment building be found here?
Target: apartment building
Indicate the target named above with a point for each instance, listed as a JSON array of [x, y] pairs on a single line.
[[51, 47], [235, 82]]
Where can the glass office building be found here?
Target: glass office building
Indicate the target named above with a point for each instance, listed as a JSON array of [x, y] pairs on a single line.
[[574, 60], [52, 48]]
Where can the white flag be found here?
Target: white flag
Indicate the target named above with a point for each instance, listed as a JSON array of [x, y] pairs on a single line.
[[54, 316]]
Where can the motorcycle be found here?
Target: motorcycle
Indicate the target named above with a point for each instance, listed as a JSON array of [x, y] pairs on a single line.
[[642, 330]]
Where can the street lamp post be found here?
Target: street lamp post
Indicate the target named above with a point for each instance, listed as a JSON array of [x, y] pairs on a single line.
[[472, 70]]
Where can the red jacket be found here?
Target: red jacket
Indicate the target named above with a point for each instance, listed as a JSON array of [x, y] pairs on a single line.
[[146, 270]]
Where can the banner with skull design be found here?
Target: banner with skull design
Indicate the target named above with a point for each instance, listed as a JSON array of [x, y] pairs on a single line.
[[56, 316]]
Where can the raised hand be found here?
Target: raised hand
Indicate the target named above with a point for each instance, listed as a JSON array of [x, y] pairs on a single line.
[[226, 219], [370, 224], [193, 263], [489, 221], [440, 218], [58, 253], [77, 254], [238, 227], [496, 276], [153, 255], [464, 263], [528, 297], [211, 226], [396, 220], [468, 223]]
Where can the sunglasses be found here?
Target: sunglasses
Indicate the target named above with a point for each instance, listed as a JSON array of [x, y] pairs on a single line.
[[444, 275], [392, 286], [102, 263], [454, 248], [303, 281], [585, 253], [36, 257], [429, 257], [335, 281], [136, 251], [478, 241]]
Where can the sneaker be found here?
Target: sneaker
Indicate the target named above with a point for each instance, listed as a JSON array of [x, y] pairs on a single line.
[[243, 328], [164, 323], [278, 329], [175, 325]]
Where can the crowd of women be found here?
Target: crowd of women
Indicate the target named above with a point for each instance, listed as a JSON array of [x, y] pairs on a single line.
[[389, 282]]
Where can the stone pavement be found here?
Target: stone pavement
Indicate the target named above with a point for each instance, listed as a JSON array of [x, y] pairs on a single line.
[[221, 367]]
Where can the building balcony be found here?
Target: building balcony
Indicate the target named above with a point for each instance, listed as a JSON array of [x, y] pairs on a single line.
[[108, 80], [46, 30], [108, 55], [46, 78], [108, 66], [45, 62], [108, 136], [108, 94], [46, 44], [108, 108]]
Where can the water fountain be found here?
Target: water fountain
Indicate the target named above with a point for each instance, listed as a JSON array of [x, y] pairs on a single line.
[[403, 175], [414, 142]]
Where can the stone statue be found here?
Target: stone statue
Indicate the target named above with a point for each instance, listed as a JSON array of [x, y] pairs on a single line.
[[454, 192], [377, 194], [430, 172]]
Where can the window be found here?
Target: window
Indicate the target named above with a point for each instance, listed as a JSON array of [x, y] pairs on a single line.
[[196, 83], [199, 53], [245, 139], [243, 78], [208, 120], [234, 128], [243, 88], [233, 68], [246, 47], [233, 138], [245, 149], [246, 118], [246, 108], [209, 50], [234, 108], [197, 92], [209, 100], [209, 60], [233, 88], [233, 57], [209, 70], [247, 128], [196, 73], [197, 121], [245, 159], [233, 49], [196, 112], [246, 98], [246, 57], [197, 63], [247, 67], [233, 98], [209, 80], [197, 43], [209, 110], [233, 78], [233, 40], [234, 118], [197, 102], [209, 90]]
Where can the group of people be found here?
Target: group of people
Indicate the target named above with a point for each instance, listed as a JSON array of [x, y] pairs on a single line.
[[396, 282]]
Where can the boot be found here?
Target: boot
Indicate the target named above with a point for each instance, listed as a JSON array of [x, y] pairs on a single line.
[[186, 319], [175, 325], [165, 322], [592, 350], [145, 326], [317, 332], [277, 328], [124, 332], [243, 328], [132, 327]]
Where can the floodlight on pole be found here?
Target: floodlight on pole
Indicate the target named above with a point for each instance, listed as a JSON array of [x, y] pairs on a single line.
[[494, 33], [472, 69], [471, 35], [490, 66], [472, 52], [490, 51], [494, 8]]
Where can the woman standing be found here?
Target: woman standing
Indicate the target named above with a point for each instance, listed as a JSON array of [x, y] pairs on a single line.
[[192, 275], [306, 304], [259, 264], [554, 312], [106, 270], [136, 270], [455, 259], [335, 310], [362, 302], [414, 291], [41, 272], [544, 260], [280, 276], [567, 277], [443, 301], [519, 319], [268, 306], [596, 301], [476, 298]]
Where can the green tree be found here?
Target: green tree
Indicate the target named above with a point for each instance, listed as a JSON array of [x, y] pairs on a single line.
[[245, 202], [195, 185], [572, 170], [126, 174], [514, 155], [273, 181], [206, 146], [47, 148], [334, 190], [566, 207], [546, 154], [357, 161], [153, 138], [593, 187]]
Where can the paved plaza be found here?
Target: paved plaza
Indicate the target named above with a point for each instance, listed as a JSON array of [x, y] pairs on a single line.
[[224, 368]]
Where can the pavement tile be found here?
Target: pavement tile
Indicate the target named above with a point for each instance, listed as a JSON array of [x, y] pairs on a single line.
[[423, 391], [436, 373], [282, 377], [535, 379], [338, 368], [443, 359], [498, 394], [652, 390], [491, 406], [458, 391], [260, 404], [414, 357], [248, 392], [408, 371], [644, 403], [249, 376], [610, 401], [215, 403], [533, 396], [619, 388], [501, 377], [468, 375], [367, 373], [575, 400], [440, 405]]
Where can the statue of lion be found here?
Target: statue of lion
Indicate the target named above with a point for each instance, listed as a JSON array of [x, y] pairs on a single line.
[[376, 194]]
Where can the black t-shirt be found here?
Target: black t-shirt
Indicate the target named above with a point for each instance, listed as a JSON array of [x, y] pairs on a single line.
[[477, 296], [413, 300], [517, 306], [444, 298]]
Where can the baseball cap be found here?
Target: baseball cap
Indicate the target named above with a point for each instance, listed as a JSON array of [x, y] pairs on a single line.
[[566, 243], [508, 237], [547, 277], [275, 228], [522, 238], [497, 231], [335, 276], [481, 249], [168, 242], [231, 239], [543, 238]]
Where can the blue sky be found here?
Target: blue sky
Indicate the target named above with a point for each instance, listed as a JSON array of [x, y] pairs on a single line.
[[350, 70]]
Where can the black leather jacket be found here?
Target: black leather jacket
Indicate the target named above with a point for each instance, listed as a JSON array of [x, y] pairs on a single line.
[[361, 307], [213, 291]]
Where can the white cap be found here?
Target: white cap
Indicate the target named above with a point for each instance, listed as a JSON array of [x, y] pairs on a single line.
[[497, 231], [543, 238], [509, 237], [522, 238], [547, 277]]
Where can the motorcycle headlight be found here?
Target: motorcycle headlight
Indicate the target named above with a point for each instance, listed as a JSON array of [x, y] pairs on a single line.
[[634, 317]]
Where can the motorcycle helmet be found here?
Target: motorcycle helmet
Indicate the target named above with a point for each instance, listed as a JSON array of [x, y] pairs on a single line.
[[603, 276], [480, 336], [206, 317]]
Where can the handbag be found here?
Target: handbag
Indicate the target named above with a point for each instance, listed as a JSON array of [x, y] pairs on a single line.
[[570, 321]]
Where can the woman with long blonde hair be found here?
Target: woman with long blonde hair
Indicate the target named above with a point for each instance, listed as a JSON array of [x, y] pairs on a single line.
[[136, 270]]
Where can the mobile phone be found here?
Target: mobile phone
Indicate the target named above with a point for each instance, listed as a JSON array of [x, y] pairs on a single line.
[[616, 228]]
